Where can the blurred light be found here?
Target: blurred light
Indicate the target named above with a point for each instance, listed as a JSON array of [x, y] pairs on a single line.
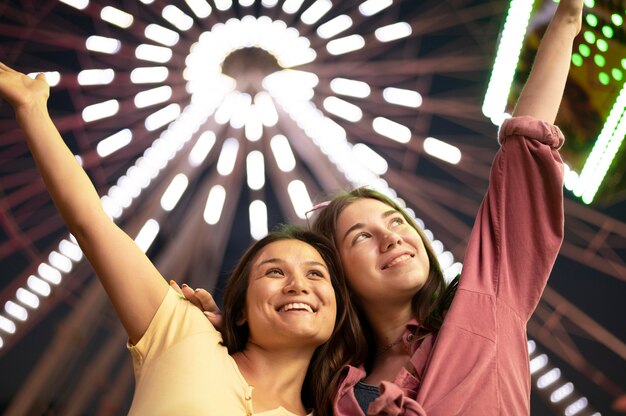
[[15, 310], [350, 87], [393, 32], [228, 156], [223, 4], [292, 6], [116, 17], [246, 3], [316, 11], [38, 285], [214, 204], [161, 34], [77, 4], [538, 363], [103, 44], [442, 150], [177, 17], [548, 378], [391, 129], [52, 77], [149, 75], [96, 76], [334, 26], [343, 109], [265, 105], [562, 392], [153, 53], [369, 158], [254, 125], [162, 117], [371, 7], [201, 149], [269, 3], [346, 44], [258, 219], [403, 97], [49, 273], [282, 153], [60, 262], [604, 150], [291, 84], [227, 108], [27, 298], [154, 96], [300, 198], [506, 60], [532, 345], [101, 110], [147, 234], [7, 325], [174, 192], [255, 170], [114, 142], [201, 8], [238, 118], [576, 407]]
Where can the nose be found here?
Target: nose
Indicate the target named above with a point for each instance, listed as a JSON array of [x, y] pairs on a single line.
[[296, 284], [389, 240]]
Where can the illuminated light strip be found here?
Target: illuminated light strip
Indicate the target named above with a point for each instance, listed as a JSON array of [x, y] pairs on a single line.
[[201, 8], [52, 77], [607, 144], [258, 219], [162, 35], [77, 4], [316, 11], [116, 17], [507, 57]]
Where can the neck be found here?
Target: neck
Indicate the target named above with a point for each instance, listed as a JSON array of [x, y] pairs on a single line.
[[277, 374], [388, 322]]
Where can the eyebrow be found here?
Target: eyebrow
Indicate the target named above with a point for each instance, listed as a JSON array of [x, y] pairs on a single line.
[[281, 261], [359, 225]]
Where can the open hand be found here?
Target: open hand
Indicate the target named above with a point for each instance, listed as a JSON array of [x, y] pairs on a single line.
[[203, 300], [20, 90]]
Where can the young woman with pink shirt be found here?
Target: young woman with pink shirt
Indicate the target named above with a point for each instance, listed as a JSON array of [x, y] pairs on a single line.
[[432, 349]]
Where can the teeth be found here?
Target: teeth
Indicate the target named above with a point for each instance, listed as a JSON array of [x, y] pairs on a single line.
[[297, 306], [397, 260]]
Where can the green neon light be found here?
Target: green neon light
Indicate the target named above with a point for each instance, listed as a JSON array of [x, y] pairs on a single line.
[[599, 60], [592, 20], [589, 36], [608, 31], [617, 74], [604, 78], [577, 59], [602, 45], [617, 19], [585, 50]]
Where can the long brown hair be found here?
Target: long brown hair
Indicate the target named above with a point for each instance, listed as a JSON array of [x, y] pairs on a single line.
[[429, 304], [323, 374]]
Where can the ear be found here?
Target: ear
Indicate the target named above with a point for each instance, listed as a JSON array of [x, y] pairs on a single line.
[[242, 318]]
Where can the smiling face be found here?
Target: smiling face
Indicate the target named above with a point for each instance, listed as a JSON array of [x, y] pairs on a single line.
[[290, 298], [384, 258]]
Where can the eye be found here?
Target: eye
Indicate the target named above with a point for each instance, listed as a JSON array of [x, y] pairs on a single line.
[[316, 274], [396, 221], [274, 272], [360, 237]]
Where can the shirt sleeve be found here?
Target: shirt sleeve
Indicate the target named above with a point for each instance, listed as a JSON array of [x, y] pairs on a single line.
[[175, 320], [519, 226]]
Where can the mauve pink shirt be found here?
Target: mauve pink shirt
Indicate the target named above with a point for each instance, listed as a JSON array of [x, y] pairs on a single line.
[[477, 364]]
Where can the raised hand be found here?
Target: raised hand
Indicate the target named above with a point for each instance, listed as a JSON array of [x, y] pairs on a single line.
[[20, 90], [203, 300]]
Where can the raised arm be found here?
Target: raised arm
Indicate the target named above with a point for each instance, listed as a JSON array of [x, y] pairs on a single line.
[[122, 267], [543, 91]]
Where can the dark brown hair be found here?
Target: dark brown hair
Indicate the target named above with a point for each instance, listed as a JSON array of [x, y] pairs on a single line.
[[322, 378], [428, 304]]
